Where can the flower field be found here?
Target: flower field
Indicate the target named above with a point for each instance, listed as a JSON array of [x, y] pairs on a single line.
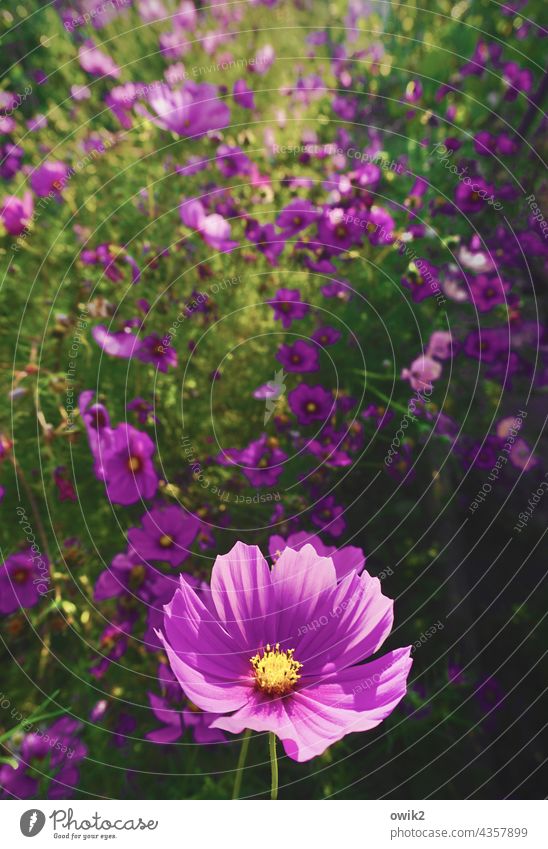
[[273, 369]]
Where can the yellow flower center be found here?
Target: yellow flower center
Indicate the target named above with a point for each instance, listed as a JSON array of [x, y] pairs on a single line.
[[276, 671], [134, 464], [166, 541]]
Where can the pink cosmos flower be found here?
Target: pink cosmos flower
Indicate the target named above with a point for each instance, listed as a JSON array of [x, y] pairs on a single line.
[[243, 95], [166, 535], [213, 229], [97, 63], [422, 372], [440, 345], [23, 576], [51, 176], [280, 650], [15, 214], [192, 110]]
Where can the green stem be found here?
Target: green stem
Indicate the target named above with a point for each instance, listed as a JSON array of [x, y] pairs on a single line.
[[387, 400], [241, 764], [273, 764]]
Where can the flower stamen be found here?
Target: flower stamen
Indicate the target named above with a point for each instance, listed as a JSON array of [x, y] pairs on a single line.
[[276, 671]]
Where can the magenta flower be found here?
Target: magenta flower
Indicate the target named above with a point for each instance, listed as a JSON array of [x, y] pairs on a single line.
[[262, 461], [263, 60], [152, 350], [326, 335], [99, 432], [280, 650], [243, 95], [23, 577], [486, 291], [16, 214], [97, 63], [310, 403], [127, 466], [422, 279], [49, 177], [472, 194], [299, 357], [214, 229], [123, 344], [440, 345], [192, 110], [287, 306], [166, 535], [296, 216], [345, 560], [129, 575]]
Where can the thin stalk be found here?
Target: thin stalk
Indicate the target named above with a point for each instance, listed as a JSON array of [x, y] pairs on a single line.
[[273, 765], [241, 764]]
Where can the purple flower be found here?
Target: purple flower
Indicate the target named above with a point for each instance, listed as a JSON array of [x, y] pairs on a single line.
[[299, 357], [326, 335], [213, 229], [231, 161], [166, 535], [190, 111], [310, 403], [127, 466], [176, 714], [380, 226], [16, 783], [487, 344], [380, 414], [342, 290], [422, 279], [64, 484], [345, 560], [23, 577], [486, 292], [49, 177], [264, 236], [422, 372], [254, 655], [99, 432], [327, 515], [243, 95], [337, 230], [516, 79], [296, 216], [472, 194], [10, 160], [97, 63], [129, 575], [124, 344], [143, 409], [62, 747], [288, 307], [440, 345], [152, 350], [261, 461], [264, 59], [16, 214], [413, 91]]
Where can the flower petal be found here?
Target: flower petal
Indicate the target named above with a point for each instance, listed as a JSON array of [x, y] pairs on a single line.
[[242, 594], [206, 662], [350, 625]]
